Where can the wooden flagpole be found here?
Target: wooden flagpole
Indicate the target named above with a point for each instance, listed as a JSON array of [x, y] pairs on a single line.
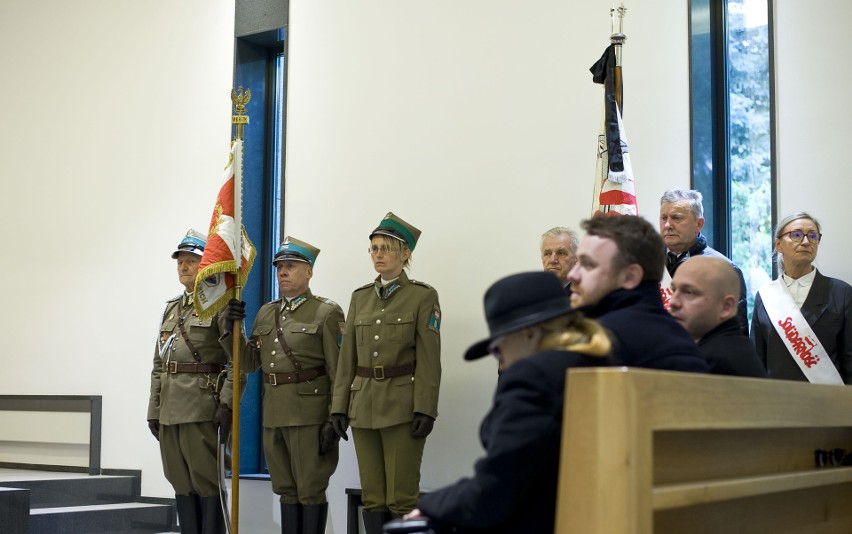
[[239, 118], [617, 39]]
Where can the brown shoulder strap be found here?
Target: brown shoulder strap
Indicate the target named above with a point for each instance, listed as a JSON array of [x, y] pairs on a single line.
[[281, 341], [183, 333]]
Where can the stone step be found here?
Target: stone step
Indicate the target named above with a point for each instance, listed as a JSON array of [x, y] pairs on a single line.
[[78, 491], [119, 518]]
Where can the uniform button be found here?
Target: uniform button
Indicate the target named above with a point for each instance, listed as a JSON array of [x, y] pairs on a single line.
[[275, 340], [398, 319], [376, 337], [273, 353], [375, 354], [383, 309], [303, 329], [271, 364], [378, 321], [412, 378], [316, 391], [172, 316]]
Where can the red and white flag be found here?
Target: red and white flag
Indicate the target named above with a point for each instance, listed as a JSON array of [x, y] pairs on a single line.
[[229, 254], [615, 190]]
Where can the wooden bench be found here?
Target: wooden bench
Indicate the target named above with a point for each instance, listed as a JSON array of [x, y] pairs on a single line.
[[663, 452]]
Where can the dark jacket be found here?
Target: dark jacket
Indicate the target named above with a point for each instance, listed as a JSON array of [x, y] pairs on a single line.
[[645, 334], [700, 248], [513, 488], [827, 309], [729, 352]]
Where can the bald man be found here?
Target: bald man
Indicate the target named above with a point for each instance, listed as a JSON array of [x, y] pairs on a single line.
[[705, 296]]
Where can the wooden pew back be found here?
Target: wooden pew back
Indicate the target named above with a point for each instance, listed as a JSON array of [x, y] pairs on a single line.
[[662, 452]]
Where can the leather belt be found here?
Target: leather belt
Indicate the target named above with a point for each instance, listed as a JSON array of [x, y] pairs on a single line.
[[175, 367], [296, 376], [380, 372]]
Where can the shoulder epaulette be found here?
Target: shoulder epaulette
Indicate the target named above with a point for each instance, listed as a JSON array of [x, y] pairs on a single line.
[[176, 297], [325, 300], [365, 286], [419, 283]]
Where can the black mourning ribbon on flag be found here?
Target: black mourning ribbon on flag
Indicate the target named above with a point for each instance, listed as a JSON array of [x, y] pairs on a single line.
[[603, 71]]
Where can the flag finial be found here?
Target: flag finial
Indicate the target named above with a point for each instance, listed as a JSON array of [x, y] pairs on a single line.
[[240, 98]]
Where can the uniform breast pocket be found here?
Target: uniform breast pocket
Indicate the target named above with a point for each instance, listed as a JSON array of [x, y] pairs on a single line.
[[362, 331], [201, 331], [168, 328], [303, 337], [261, 334], [400, 326]]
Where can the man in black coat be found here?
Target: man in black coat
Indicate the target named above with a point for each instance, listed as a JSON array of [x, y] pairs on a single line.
[[535, 338], [616, 279], [704, 298]]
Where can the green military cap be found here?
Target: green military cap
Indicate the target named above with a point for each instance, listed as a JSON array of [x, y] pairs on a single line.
[[295, 250], [193, 242], [393, 226]]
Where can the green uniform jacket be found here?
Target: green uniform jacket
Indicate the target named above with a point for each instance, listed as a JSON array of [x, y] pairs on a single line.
[[178, 398], [400, 328], [313, 328]]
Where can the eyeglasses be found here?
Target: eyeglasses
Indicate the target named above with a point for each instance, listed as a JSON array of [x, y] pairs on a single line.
[[494, 347], [375, 249], [833, 457], [797, 235]]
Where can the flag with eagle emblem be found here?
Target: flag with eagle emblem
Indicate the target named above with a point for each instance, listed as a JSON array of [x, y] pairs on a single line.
[[229, 254]]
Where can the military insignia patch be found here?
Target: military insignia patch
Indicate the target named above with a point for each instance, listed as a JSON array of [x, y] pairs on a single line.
[[435, 319], [259, 342], [341, 327]]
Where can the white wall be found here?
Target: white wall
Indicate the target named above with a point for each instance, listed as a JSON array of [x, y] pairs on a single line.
[[115, 132], [813, 121], [475, 120]]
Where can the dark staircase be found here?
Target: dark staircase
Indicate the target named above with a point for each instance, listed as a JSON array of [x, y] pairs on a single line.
[[77, 503]]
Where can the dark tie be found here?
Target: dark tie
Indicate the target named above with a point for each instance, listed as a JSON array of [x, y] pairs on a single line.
[[671, 260]]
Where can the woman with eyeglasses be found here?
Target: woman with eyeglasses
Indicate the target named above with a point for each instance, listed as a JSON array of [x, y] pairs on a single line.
[[800, 324], [388, 375]]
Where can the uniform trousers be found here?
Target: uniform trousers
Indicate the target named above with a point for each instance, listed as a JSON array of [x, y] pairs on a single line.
[[299, 474], [189, 458], [389, 464]]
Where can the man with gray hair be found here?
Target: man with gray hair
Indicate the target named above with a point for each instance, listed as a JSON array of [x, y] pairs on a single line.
[[559, 253], [681, 221]]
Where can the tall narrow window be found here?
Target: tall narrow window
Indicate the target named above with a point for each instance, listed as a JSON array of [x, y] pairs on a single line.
[[732, 142], [750, 136]]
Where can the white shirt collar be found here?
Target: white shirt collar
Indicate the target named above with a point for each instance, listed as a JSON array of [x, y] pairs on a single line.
[[804, 281]]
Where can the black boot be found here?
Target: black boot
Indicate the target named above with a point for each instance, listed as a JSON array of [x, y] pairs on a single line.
[[313, 518], [291, 518], [374, 520], [212, 520], [189, 513]]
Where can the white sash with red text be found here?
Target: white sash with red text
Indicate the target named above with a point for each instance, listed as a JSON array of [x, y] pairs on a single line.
[[797, 335], [666, 289]]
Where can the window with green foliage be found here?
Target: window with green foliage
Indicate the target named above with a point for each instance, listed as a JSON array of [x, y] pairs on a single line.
[[732, 141]]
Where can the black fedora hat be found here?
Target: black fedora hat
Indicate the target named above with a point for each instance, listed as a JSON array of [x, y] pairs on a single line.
[[518, 301]]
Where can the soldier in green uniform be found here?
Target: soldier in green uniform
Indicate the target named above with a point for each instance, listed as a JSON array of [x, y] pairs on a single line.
[[185, 410], [296, 341], [389, 374]]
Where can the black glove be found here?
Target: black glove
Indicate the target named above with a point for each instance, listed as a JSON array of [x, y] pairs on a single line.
[[421, 426], [223, 421], [328, 438], [154, 427], [235, 311], [339, 422]]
